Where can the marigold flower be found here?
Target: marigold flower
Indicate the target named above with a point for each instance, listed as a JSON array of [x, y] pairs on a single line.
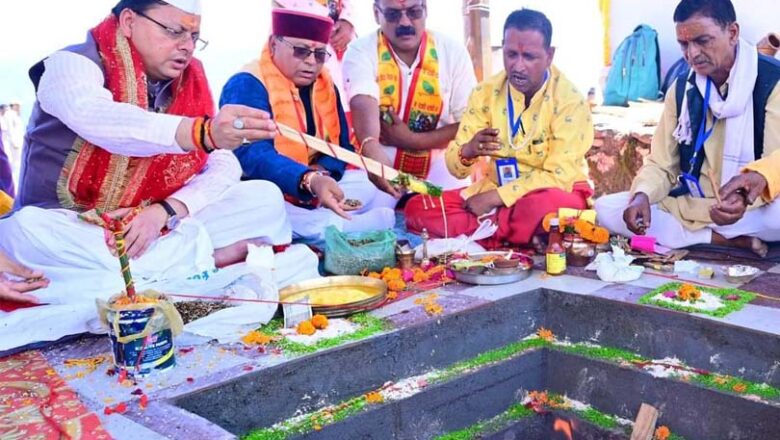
[[306, 328], [375, 397], [582, 226], [546, 221], [396, 285], [545, 334], [420, 276], [688, 292], [720, 380], [600, 236], [320, 322], [256, 338], [662, 433], [740, 387]]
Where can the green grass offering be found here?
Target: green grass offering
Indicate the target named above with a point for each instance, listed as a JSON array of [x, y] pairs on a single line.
[[733, 299]]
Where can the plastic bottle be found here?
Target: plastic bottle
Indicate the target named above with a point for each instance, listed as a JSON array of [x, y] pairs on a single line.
[[556, 253]]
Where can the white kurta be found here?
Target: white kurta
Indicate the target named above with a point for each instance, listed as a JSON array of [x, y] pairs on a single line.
[[311, 223], [668, 231], [73, 254], [456, 77]]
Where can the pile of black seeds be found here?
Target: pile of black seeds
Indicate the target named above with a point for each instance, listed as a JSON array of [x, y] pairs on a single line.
[[193, 310]]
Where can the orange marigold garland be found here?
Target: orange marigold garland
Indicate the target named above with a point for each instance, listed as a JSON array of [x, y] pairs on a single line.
[[399, 280]]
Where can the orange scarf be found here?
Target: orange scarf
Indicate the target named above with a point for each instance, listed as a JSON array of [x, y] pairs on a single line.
[[288, 109], [94, 178]]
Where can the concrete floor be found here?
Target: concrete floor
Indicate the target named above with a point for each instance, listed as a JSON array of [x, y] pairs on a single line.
[[208, 365]]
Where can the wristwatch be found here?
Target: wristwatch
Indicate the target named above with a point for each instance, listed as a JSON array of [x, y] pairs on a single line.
[[173, 217]]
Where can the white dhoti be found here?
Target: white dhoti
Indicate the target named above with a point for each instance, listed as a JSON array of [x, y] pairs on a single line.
[[668, 231], [74, 256], [311, 223]]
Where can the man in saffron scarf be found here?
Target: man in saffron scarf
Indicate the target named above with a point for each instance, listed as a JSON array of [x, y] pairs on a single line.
[[534, 126], [340, 11], [408, 89], [124, 123], [290, 82]]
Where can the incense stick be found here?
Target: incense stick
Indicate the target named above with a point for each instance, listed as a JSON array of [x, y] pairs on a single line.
[[715, 186]]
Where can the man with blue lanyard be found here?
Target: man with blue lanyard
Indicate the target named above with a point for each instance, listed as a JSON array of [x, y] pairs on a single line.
[[718, 119]]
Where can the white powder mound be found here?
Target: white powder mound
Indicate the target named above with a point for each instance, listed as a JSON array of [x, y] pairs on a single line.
[[708, 302], [667, 368], [576, 404], [405, 388], [336, 328]]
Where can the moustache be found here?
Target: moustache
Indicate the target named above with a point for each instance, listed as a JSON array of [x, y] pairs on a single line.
[[404, 31]]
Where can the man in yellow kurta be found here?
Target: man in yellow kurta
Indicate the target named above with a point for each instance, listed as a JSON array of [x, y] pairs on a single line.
[[717, 119], [534, 126]]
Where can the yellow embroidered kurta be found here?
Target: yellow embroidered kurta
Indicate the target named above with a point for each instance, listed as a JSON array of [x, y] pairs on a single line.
[[659, 174], [551, 153]]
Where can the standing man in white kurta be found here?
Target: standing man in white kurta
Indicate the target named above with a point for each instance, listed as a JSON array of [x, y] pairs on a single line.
[[408, 88]]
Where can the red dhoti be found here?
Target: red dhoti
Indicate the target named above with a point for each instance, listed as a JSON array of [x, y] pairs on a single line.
[[516, 225]]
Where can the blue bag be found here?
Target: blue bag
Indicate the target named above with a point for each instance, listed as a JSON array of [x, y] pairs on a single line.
[[636, 69]]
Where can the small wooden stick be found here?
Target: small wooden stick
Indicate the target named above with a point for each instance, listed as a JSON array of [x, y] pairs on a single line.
[[711, 175], [644, 426]]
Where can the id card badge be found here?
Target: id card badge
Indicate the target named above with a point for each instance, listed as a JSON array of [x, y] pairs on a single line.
[[506, 170], [693, 185]]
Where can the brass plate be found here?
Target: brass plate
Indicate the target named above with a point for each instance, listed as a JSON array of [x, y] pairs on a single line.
[[338, 296]]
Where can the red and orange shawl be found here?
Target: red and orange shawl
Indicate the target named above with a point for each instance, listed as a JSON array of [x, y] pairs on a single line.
[[94, 178]]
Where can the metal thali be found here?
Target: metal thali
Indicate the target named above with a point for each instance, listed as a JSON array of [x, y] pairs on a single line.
[[487, 275], [337, 296]]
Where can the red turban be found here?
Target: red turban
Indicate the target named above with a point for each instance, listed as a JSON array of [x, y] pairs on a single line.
[[297, 24]]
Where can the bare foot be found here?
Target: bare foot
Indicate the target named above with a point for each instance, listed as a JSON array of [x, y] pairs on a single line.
[[234, 253], [759, 247], [756, 245]]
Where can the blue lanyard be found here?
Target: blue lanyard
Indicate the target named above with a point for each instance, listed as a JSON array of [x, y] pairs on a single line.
[[514, 124], [704, 134]]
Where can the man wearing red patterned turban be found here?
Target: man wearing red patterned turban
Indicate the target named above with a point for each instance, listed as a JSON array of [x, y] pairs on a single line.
[[290, 82]]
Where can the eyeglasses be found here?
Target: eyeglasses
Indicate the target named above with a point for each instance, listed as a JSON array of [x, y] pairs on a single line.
[[180, 35], [393, 15], [302, 53]]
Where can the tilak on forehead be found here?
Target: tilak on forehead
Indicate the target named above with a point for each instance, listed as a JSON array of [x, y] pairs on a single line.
[[189, 21]]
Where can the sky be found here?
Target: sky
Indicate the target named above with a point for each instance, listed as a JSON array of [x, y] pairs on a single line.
[[236, 30]]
